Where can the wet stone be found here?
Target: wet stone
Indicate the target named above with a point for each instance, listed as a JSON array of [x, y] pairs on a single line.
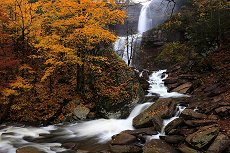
[[143, 131], [174, 124], [200, 122], [174, 139], [191, 114], [123, 139]]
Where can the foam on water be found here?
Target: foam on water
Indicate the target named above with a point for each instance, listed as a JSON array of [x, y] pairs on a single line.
[[157, 85]]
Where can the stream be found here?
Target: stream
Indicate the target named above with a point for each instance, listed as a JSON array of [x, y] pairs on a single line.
[[89, 135]]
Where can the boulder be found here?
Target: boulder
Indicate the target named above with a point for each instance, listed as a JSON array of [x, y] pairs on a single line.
[[125, 149], [223, 111], [142, 131], [170, 80], [29, 149], [200, 122], [185, 149], [203, 136], [162, 108], [158, 146], [221, 143], [123, 139], [174, 124], [81, 112], [191, 114], [69, 145], [181, 131], [174, 139], [184, 88]]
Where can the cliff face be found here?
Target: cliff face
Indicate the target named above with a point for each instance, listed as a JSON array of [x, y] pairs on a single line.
[[131, 23]]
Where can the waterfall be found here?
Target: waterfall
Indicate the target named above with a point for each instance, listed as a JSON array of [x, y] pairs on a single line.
[[153, 13], [144, 23]]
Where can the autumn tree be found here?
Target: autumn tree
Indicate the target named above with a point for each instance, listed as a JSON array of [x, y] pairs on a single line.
[[21, 15], [74, 32]]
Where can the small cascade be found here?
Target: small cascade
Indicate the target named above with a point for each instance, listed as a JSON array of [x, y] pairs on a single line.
[[157, 85], [167, 121]]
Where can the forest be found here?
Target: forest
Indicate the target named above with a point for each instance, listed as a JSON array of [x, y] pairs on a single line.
[[58, 65]]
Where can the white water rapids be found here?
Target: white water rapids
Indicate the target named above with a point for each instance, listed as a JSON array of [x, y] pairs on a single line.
[[50, 138]]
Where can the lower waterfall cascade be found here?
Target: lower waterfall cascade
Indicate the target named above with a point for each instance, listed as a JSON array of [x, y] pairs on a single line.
[[51, 137]]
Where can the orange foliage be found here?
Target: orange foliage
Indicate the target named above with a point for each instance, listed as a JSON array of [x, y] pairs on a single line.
[[70, 30]]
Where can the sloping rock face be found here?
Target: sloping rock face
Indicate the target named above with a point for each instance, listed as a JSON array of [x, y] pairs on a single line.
[[131, 23], [152, 116]]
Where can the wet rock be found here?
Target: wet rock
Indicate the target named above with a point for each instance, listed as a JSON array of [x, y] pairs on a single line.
[[29, 149], [68, 151], [158, 146], [180, 131], [143, 131], [162, 108], [172, 86], [185, 149], [174, 124], [191, 114], [123, 139], [69, 145], [157, 123], [203, 136], [184, 88], [221, 143], [82, 151], [81, 112], [150, 98], [223, 111], [170, 80], [200, 122], [125, 149], [174, 139]]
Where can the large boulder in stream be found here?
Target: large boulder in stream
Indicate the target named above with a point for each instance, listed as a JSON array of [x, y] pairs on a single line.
[[152, 116]]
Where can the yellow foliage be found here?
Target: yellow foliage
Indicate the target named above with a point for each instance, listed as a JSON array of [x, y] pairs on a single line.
[[20, 83], [9, 92]]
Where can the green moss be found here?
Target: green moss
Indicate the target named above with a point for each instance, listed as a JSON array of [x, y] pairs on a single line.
[[174, 52]]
